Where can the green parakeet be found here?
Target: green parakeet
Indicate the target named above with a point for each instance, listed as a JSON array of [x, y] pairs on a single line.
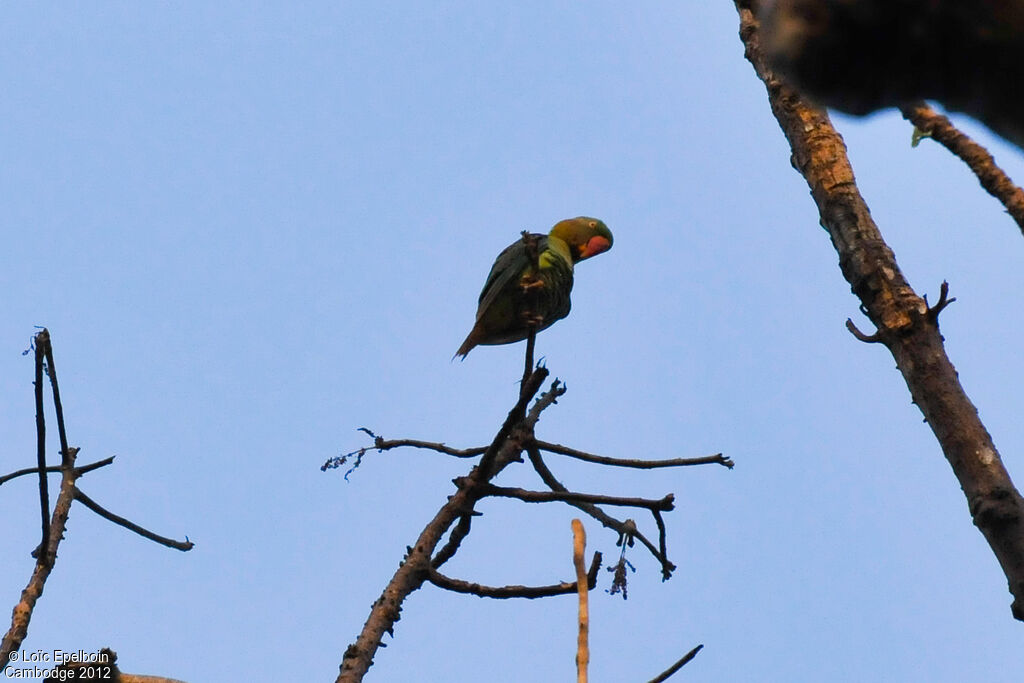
[[518, 295]]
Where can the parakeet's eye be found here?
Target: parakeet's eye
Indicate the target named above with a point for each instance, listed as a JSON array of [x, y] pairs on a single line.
[[592, 224]]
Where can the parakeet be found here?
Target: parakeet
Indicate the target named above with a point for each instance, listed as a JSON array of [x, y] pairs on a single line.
[[517, 295]]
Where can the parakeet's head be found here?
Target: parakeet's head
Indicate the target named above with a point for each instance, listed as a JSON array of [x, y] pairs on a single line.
[[585, 236]]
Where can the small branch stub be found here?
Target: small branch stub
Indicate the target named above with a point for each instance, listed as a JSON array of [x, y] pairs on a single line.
[[875, 338], [944, 300]]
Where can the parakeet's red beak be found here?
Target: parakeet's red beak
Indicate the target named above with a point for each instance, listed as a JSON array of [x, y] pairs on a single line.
[[596, 245]]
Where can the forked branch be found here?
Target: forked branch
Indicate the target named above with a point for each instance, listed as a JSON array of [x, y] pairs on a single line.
[[54, 525]]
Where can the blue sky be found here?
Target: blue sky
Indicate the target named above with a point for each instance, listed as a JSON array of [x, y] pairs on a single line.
[[253, 228]]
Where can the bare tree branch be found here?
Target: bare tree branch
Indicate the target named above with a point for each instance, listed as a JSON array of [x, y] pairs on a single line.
[[53, 469], [666, 503], [67, 458], [992, 178], [131, 526], [505, 592], [905, 323], [716, 459], [41, 340], [45, 559], [380, 445], [417, 564], [664, 675], [626, 529], [459, 533]]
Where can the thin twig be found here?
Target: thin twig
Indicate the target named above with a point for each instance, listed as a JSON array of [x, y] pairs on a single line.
[[982, 164], [380, 445], [667, 503], [717, 459], [449, 549], [66, 458], [131, 526], [506, 592], [623, 528], [53, 469], [664, 675], [661, 532]]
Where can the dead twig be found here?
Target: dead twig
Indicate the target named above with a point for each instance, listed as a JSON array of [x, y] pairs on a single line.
[[131, 526], [506, 592], [380, 445], [666, 503], [875, 338], [53, 469], [626, 529], [664, 675], [716, 459], [995, 181]]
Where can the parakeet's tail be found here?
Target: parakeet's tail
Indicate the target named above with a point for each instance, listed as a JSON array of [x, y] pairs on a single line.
[[468, 345]]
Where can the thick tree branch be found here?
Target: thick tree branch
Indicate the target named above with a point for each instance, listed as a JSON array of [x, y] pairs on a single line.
[[716, 459], [417, 564], [45, 559], [862, 55], [904, 321], [992, 178], [505, 592]]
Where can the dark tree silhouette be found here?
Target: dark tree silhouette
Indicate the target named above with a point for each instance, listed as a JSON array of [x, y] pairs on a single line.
[[966, 54]]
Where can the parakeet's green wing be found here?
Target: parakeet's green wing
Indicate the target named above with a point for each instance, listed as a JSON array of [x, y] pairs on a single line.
[[509, 265]]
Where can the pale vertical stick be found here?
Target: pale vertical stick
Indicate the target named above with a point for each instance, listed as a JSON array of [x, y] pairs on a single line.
[[579, 544]]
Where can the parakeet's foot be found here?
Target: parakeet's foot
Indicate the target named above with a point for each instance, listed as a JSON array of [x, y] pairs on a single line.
[[531, 283], [534, 321]]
